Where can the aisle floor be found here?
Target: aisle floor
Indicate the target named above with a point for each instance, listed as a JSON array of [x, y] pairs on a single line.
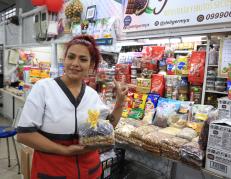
[[5, 171]]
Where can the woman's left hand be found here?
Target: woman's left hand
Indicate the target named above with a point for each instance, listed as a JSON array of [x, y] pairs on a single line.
[[121, 91]]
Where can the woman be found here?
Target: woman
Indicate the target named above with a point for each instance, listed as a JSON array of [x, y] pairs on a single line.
[[56, 107]]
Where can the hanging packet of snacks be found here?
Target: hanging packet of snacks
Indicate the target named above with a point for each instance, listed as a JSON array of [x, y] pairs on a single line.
[[171, 66], [73, 11], [151, 104], [182, 65], [157, 52], [165, 109], [197, 67], [139, 102], [147, 53], [96, 131], [128, 104], [200, 114], [158, 84]]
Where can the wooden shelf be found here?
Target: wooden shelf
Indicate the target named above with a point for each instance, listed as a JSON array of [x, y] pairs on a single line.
[[217, 92]]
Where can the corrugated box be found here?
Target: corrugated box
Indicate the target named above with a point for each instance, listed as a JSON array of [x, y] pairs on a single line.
[[224, 108], [218, 154], [218, 162], [26, 161], [220, 136]]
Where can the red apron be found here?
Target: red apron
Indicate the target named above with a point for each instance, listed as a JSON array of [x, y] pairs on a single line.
[[53, 166]]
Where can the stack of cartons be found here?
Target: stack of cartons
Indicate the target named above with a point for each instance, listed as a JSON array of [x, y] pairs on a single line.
[[218, 154]]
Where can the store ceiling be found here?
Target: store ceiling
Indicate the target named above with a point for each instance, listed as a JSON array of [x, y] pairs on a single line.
[[6, 3]]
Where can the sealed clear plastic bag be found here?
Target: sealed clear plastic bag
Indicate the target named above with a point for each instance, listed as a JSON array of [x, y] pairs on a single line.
[[187, 133], [142, 131], [192, 154], [96, 132], [165, 109], [171, 147]]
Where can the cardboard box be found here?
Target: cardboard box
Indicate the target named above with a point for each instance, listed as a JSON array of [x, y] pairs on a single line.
[[220, 136], [218, 153], [26, 161], [218, 161], [224, 108]]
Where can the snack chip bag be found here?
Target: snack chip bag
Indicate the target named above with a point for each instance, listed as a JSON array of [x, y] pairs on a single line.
[[182, 65], [151, 102], [136, 113], [171, 66], [197, 68], [158, 84], [139, 101]]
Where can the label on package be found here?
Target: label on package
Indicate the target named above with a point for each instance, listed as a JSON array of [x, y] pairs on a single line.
[[218, 161], [220, 137]]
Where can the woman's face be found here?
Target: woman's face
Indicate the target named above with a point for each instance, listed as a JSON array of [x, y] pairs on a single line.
[[77, 62]]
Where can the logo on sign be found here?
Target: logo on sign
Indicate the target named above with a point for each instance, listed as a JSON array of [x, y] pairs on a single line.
[[127, 20]]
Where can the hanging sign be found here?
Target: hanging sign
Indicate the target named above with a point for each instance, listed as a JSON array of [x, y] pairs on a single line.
[[141, 15]]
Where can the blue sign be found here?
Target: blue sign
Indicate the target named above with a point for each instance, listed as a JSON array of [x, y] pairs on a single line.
[[104, 41], [127, 20]]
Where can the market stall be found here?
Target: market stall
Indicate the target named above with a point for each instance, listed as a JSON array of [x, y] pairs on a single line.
[[176, 70]]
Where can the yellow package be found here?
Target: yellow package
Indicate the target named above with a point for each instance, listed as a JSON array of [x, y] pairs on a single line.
[[142, 82], [45, 73], [182, 65], [125, 112], [198, 122], [139, 101], [35, 72]]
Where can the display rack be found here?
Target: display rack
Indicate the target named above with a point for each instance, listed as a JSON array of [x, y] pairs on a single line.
[[170, 171]]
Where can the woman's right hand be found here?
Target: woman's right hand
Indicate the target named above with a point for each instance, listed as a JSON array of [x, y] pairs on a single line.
[[78, 149]]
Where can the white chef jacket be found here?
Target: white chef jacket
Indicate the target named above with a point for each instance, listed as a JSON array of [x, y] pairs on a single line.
[[52, 109]]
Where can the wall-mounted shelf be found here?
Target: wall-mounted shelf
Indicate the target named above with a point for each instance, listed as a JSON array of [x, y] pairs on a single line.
[[217, 92], [212, 65]]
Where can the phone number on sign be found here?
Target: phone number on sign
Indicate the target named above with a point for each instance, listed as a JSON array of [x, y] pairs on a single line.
[[218, 15]]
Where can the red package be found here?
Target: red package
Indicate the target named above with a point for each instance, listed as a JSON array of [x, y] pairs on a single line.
[[123, 69], [197, 67], [171, 66], [147, 52], [158, 84], [123, 78], [157, 52], [149, 65]]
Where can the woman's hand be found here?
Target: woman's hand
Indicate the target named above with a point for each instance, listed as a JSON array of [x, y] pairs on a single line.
[[121, 92], [77, 150]]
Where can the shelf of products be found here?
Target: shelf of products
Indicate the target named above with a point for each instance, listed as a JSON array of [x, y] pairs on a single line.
[[209, 91]]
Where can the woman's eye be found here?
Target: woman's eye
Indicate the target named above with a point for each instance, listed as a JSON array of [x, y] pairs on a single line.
[[71, 57], [84, 59]]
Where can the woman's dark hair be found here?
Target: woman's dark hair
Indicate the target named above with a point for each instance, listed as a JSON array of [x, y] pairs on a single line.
[[90, 43]]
